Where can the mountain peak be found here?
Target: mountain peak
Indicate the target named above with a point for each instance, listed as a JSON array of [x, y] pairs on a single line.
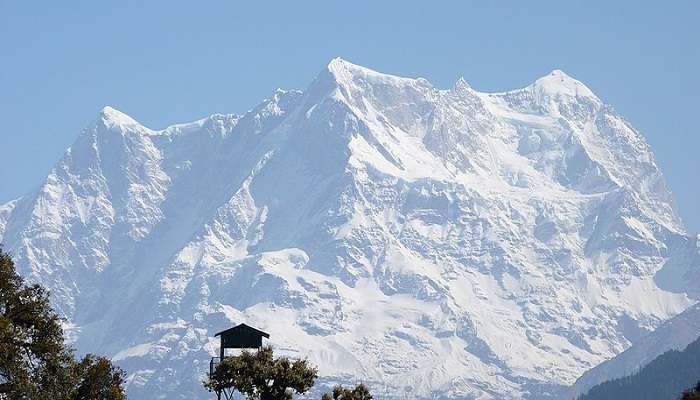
[[337, 63], [461, 84], [113, 117], [345, 72], [559, 82], [559, 73]]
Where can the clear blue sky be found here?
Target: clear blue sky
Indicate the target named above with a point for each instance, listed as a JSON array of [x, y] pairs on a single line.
[[172, 61]]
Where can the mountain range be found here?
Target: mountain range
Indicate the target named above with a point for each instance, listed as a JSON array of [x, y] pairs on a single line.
[[431, 243]]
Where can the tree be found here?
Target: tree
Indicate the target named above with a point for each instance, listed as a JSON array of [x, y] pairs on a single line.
[[360, 392], [35, 363], [260, 376], [99, 379]]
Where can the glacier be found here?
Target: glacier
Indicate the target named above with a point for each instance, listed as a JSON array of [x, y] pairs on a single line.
[[431, 243]]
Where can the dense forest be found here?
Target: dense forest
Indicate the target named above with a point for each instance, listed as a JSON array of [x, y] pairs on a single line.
[[665, 378]]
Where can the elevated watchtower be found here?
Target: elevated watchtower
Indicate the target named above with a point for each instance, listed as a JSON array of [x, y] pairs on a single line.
[[239, 337]]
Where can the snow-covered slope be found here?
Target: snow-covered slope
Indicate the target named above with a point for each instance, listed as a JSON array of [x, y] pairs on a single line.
[[427, 242], [682, 274]]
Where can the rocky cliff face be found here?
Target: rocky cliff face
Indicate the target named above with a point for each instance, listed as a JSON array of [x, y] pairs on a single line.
[[427, 242]]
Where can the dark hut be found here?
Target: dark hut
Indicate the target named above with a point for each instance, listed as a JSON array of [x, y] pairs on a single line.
[[241, 337]]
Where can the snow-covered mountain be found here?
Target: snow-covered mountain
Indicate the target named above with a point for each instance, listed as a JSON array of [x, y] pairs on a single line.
[[430, 243]]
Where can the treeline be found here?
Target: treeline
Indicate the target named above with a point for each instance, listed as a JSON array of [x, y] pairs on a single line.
[[665, 378]]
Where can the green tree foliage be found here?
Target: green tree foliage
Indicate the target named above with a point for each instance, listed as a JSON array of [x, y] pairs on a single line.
[[98, 379], [35, 363], [261, 376], [360, 392]]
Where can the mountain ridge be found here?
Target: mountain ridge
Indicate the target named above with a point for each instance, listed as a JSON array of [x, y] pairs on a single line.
[[373, 223]]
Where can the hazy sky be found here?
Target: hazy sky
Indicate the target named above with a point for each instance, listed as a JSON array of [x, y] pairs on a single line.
[[168, 61]]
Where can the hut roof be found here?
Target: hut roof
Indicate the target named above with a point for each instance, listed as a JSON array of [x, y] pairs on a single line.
[[240, 328]]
